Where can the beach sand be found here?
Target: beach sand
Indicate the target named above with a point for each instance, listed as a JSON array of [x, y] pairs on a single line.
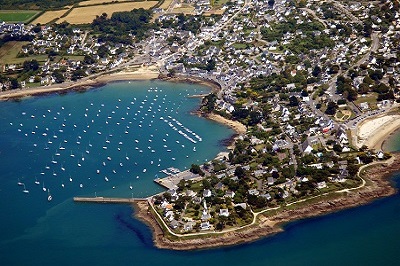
[[373, 132], [238, 127], [142, 73]]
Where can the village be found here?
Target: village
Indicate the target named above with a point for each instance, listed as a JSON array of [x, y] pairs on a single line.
[[300, 75]]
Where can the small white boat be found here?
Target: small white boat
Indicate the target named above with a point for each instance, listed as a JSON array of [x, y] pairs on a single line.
[[25, 190], [130, 186], [106, 179], [49, 197]]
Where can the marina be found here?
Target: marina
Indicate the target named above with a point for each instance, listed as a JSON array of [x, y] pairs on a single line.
[[173, 179]]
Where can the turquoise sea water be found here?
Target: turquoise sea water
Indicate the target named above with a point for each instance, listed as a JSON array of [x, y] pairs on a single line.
[[37, 232]]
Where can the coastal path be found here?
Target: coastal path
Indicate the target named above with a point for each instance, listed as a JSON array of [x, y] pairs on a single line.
[[255, 214]]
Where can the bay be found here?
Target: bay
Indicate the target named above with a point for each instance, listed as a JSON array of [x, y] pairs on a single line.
[[37, 232]]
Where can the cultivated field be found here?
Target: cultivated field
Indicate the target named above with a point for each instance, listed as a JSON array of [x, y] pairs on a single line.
[[48, 16], [17, 15], [83, 15], [99, 2], [185, 10], [166, 4]]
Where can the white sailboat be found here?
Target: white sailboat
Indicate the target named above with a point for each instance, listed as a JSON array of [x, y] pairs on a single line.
[[25, 190], [49, 197]]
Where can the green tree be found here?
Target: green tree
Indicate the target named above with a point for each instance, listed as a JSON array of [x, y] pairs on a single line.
[[31, 65], [195, 169]]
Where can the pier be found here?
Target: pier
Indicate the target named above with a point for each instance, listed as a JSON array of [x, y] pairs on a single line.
[[198, 95], [108, 200]]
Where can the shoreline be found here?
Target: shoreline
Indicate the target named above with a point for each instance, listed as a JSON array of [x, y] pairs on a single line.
[[379, 185], [374, 132], [80, 85]]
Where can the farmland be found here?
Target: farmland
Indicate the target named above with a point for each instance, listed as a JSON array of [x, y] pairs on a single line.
[[83, 15], [166, 4], [49, 16], [99, 2], [17, 15]]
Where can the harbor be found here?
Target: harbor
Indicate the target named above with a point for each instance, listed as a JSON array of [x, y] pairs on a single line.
[[172, 180]]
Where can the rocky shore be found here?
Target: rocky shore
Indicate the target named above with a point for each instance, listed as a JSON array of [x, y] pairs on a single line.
[[378, 185]]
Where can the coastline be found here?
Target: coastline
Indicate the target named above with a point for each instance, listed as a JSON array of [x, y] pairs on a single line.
[[238, 127], [379, 185], [374, 132], [81, 85], [142, 73]]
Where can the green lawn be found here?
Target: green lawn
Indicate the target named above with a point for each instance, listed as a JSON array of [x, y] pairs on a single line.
[[10, 50], [17, 15], [369, 98], [218, 3], [240, 46]]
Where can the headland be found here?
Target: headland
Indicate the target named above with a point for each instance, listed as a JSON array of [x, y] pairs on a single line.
[[376, 185]]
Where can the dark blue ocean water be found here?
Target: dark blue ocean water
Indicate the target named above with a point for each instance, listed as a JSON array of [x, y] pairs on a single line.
[[37, 232]]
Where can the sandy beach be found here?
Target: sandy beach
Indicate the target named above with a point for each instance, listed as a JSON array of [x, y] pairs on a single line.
[[238, 127], [373, 132], [142, 73], [378, 185]]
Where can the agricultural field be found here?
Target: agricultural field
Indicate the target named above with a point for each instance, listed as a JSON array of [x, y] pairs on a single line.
[[166, 4], [99, 2], [187, 10], [49, 16], [87, 14], [14, 16], [10, 50]]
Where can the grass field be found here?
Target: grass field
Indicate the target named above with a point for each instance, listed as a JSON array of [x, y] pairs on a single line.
[[218, 3], [83, 15], [49, 16], [17, 15], [10, 50]]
